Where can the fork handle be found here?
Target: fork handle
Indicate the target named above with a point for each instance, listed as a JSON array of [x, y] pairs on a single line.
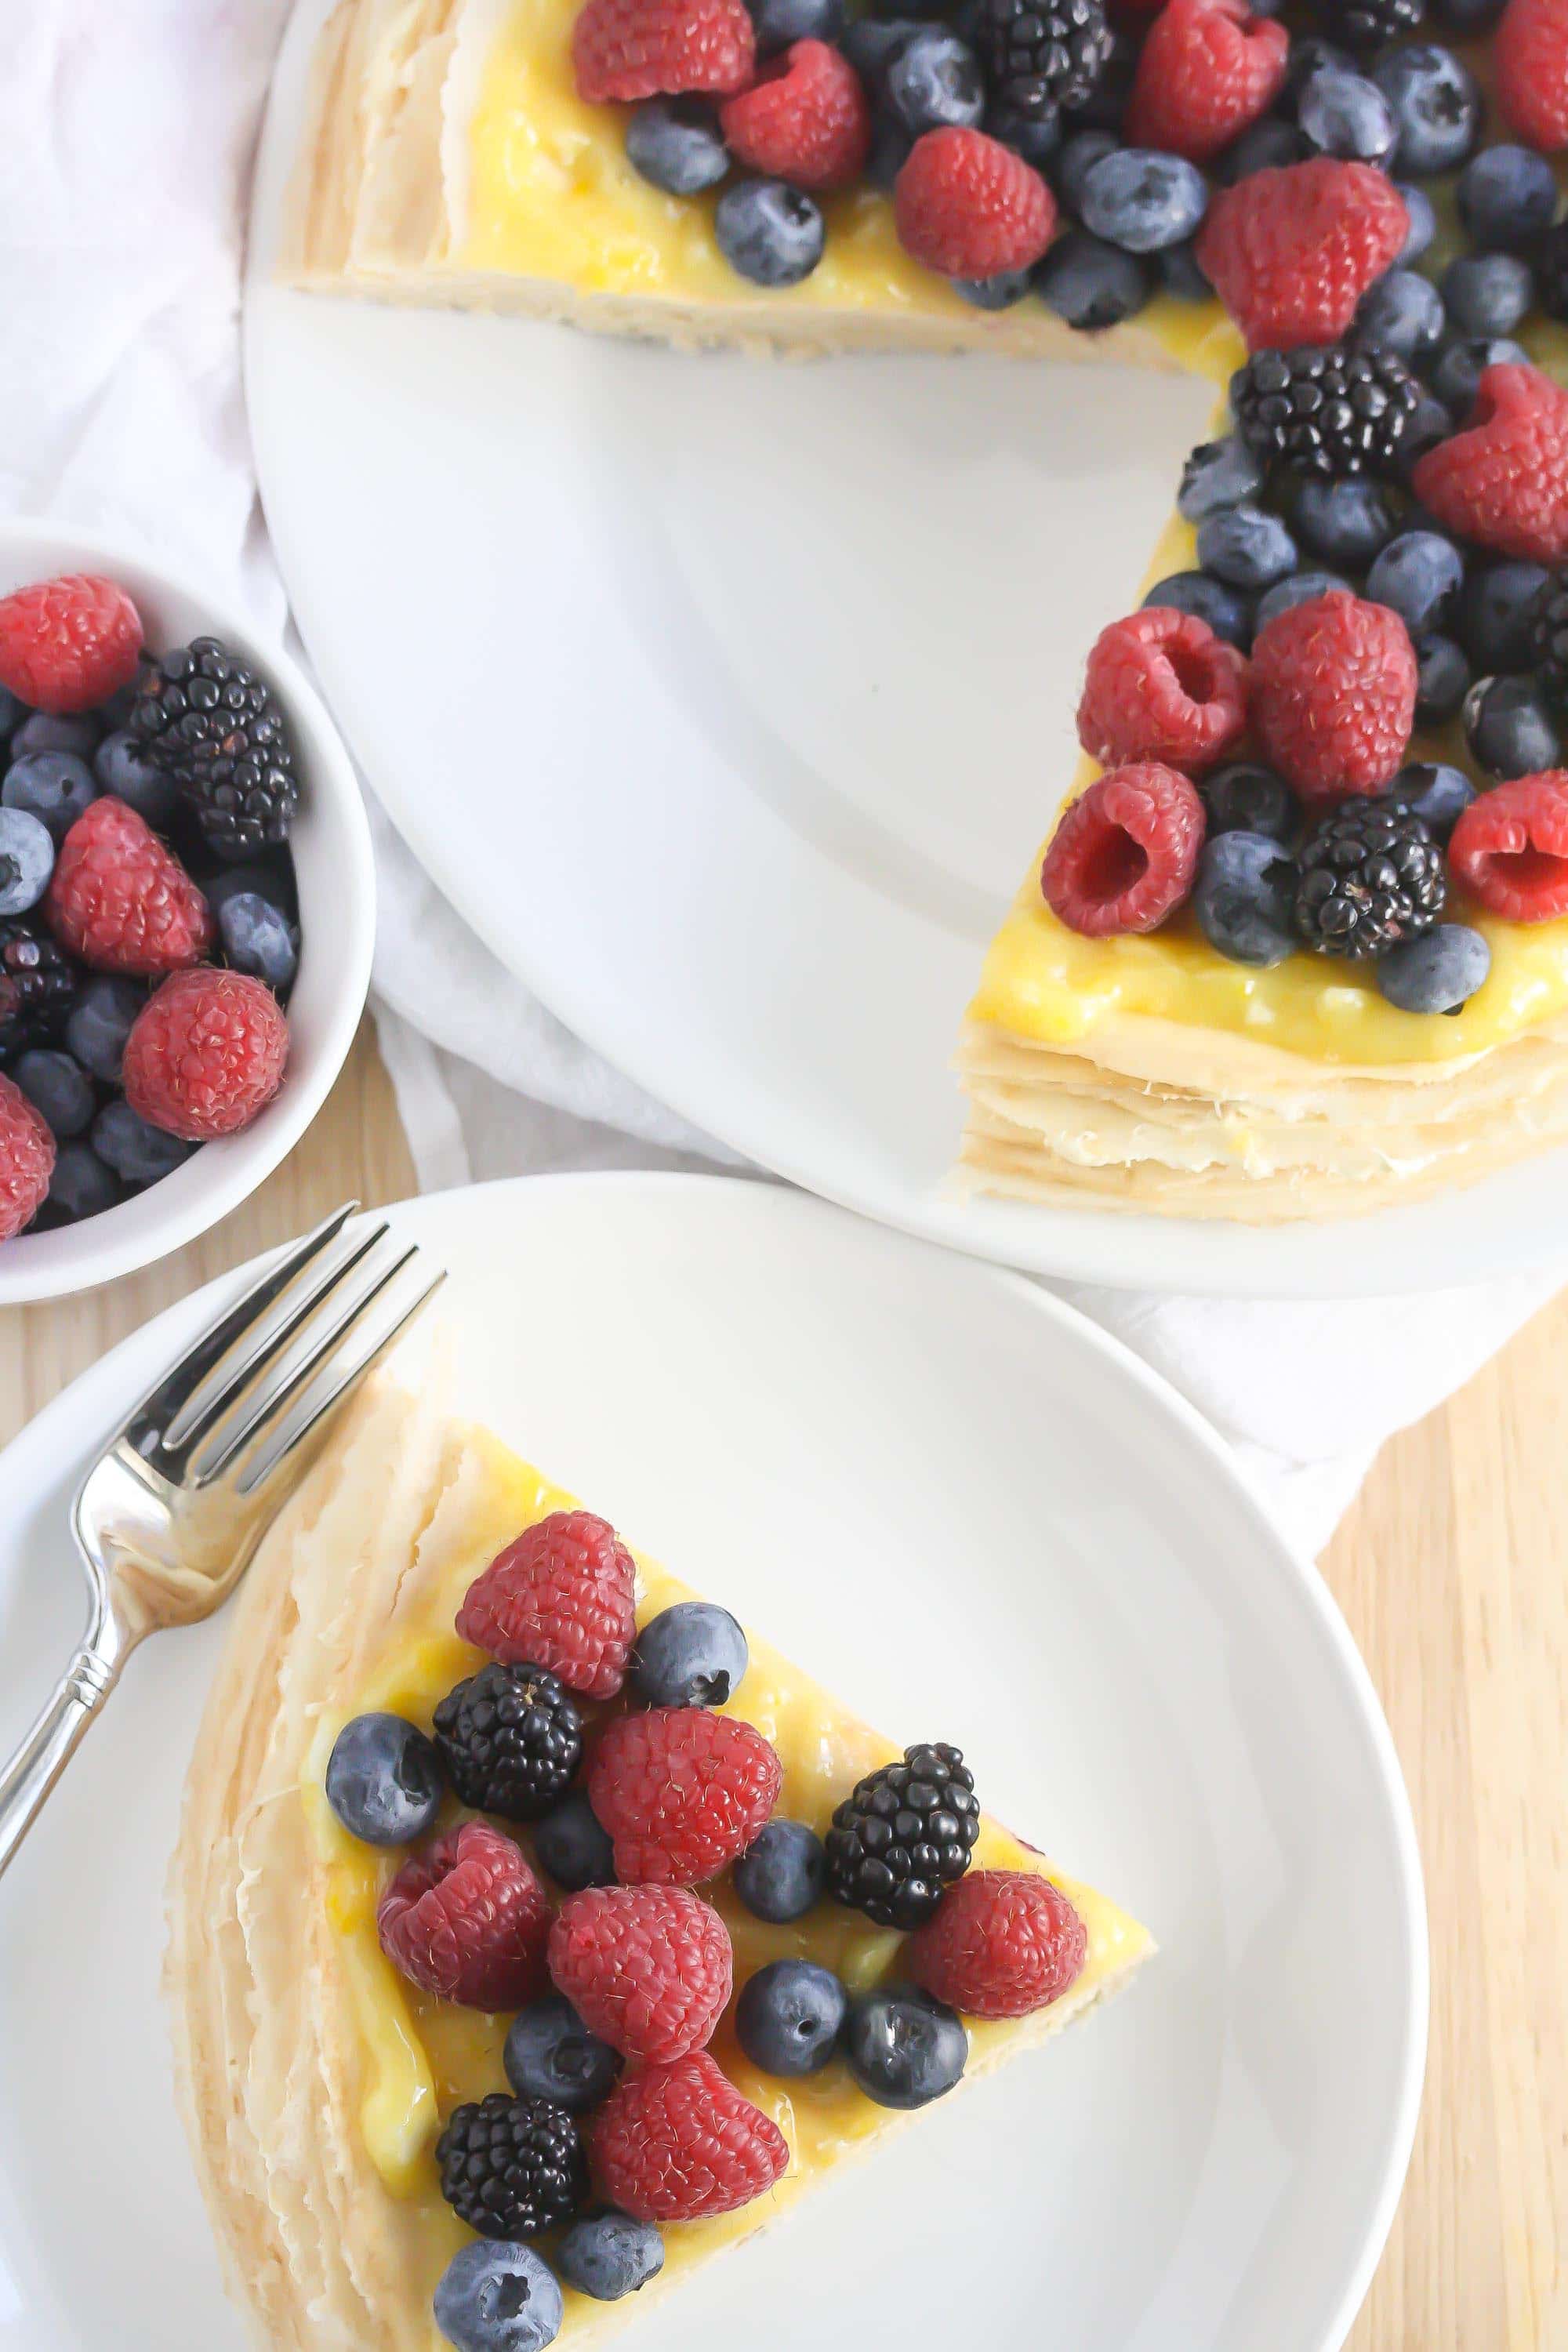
[[44, 1754]]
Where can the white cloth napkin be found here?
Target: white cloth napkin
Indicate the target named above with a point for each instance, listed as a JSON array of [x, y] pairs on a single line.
[[125, 140]]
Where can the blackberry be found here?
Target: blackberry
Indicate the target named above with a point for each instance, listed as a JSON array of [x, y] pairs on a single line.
[[1549, 639], [38, 982], [1364, 25], [511, 1740], [1041, 54], [510, 2168], [206, 717], [1370, 876], [1331, 412], [903, 1834]]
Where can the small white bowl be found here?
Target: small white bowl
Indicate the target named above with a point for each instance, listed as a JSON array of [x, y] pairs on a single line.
[[336, 880]]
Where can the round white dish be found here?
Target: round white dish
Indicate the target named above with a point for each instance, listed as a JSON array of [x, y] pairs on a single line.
[[728, 703], [973, 1516], [336, 880]]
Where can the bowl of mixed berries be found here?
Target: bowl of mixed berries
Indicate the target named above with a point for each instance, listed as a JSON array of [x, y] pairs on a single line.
[[187, 909]]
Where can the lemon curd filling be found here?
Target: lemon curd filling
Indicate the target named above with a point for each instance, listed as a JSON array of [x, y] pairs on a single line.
[[422, 2056]]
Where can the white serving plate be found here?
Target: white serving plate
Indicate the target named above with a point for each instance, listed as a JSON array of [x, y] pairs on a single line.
[[977, 1518]]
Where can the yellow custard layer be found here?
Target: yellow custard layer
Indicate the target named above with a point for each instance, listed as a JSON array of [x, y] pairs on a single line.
[[423, 2057]]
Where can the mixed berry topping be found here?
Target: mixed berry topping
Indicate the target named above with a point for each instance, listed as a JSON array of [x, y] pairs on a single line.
[[903, 1834], [510, 2168], [510, 1739]]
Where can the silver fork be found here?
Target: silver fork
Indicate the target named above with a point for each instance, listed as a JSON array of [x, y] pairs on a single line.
[[169, 1516]]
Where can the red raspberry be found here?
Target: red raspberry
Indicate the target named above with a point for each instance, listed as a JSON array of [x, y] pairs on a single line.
[[1510, 848], [468, 1920], [1333, 694], [205, 1052], [1162, 686], [1503, 481], [643, 48], [68, 644], [968, 207], [26, 1160], [1000, 1944], [648, 1969], [1207, 70], [680, 2144], [803, 119], [1124, 852], [123, 902], [681, 1791], [1291, 251], [562, 1595], [1529, 58]]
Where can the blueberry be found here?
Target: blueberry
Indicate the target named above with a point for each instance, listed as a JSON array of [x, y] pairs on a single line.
[[571, 1845], [676, 143], [1243, 897], [1310, 56], [1299, 588], [57, 1085], [384, 1780], [12, 714], [903, 2047], [1509, 731], [1229, 614], [1343, 522], [1418, 576], [53, 786], [1217, 473], [1034, 137], [935, 81], [1346, 116], [275, 883], [1423, 228], [122, 769], [1430, 423], [53, 731], [1442, 680], [780, 22], [1403, 313], [551, 2055], [1246, 547], [890, 145], [692, 1655], [1438, 973], [1436, 106], [782, 1874], [1506, 196], [141, 1154], [1091, 284], [607, 2255], [872, 43], [769, 232], [496, 2296], [81, 1186], [99, 1022], [260, 939], [1436, 793], [1467, 18], [1488, 294], [1496, 611], [999, 293], [27, 860], [1459, 372], [1141, 200], [789, 2016], [1266, 146], [1182, 275], [1078, 156], [1244, 797]]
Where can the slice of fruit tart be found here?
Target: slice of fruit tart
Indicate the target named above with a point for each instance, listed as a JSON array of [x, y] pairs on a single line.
[[536, 1931]]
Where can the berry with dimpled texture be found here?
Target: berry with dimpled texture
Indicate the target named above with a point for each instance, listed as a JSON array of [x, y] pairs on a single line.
[[1218, 474], [629, 49], [1530, 61], [57, 1085], [123, 902], [903, 2047], [1290, 252], [1442, 680], [1457, 377], [1141, 200], [677, 145], [1299, 588], [1125, 853], [1226, 610], [1503, 479], [780, 22], [1437, 974], [1333, 695], [1510, 848], [26, 1160], [138, 1154], [122, 768], [680, 2144], [572, 1847], [56, 787], [1401, 314], [694, 1654], [803, 119], [648, 1969], [1206, 71], [384, 1780], [205, 1055], [1436, 793], [607, 2255], [784, 1875], [1002, 1944], [681, 1791], [1488, 294], [1344, 521], [50, 731], [66, 643], [967, 206], [769, 232], [935, 80], [27, 860], [551, 2055], [789, 2017], [1243, 899], [498, 2298], [469, 1920], [259, 938], [1510, 728], [1246, 547], [1437, 105], [1497, 614], [563, 1594], [1268, 146], [81, 1186], [1091, 285], [1345, 116], [1507, 197], [1247, 797], [1161, 686], [1418, 575]]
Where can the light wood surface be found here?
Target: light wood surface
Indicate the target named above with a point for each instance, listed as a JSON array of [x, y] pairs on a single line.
[[1453, 1572]]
